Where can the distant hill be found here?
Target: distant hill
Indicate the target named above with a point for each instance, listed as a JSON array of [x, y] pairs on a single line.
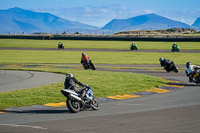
[[144, 22], [170, 31], [20, 20], [196, 24]]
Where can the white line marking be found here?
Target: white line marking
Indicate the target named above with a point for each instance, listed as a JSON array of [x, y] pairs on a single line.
[[12, 125]]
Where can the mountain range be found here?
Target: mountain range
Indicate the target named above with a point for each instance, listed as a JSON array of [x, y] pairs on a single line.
[[197, 23], [146, 22], [20, 20]]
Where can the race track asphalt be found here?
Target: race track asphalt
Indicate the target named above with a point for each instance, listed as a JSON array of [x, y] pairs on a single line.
[[176, 111], [101, 50], [14, 80]]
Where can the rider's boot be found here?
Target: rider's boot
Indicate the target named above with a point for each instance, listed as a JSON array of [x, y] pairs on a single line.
[[191, 79], [83, 98]]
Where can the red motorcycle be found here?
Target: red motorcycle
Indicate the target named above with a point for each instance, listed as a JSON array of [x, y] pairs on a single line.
[[88, 65]]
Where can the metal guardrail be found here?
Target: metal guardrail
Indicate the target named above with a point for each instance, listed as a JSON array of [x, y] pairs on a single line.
[[104, 37]]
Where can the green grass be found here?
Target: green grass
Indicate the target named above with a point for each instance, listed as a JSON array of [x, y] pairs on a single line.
[[28, 43], [103, 84], [37, 57]]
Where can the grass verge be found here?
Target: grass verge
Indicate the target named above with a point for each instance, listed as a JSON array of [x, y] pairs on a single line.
[[23, 56], [103, 84], [29, 43]]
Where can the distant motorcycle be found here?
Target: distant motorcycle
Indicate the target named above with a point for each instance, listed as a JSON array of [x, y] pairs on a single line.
[[175, 49], [133, 47], [89, 65], [168, 65], [74, 102], [60, 46], [171, 67]]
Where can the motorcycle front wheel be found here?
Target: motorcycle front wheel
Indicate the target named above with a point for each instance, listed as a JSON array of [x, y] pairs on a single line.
[[73, 105], [93, 67], [175, 69], [94, 104]]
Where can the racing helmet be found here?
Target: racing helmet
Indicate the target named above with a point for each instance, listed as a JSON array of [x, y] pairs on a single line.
[[83, 53], [69, 75], [188, 64], [161, 59]]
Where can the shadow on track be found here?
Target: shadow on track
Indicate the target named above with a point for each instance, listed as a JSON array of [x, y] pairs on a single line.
[[43, 111], [40, 111], [185, 84]]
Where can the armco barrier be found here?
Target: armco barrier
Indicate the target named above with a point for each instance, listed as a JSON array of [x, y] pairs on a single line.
[[101, 37]]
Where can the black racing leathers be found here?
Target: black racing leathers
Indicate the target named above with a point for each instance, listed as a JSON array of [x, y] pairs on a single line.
[[70, 83]]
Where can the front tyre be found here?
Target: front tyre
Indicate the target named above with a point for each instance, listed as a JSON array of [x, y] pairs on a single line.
[[73, 105], [175, 69], [94, 104], [92, 66]]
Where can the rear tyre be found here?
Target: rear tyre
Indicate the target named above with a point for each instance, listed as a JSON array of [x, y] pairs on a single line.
[[73, 106], [85, 67]]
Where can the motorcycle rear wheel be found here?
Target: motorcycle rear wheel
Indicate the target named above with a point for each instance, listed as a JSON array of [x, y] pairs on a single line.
[[85, 67], [73, 105]]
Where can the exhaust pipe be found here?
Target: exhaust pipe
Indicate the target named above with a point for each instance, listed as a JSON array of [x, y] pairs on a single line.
[[75, 97]]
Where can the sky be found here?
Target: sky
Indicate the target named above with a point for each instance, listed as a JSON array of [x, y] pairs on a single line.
[[100, 12]]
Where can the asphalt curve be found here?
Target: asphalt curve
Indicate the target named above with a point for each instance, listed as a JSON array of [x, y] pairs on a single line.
[[176, 111], [14, 80]]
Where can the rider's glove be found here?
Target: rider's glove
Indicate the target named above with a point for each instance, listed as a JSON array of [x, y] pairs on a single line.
[[86, 86]]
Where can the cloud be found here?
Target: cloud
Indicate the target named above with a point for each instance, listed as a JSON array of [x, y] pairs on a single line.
[[94, 15], [101, 15], [148, 11], [185, 16]]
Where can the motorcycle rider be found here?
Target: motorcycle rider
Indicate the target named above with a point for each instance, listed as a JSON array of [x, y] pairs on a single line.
[[70, 83], [60, 44], [133, 44], [189, 70], [174, 45], [162, 62], [165, 63], [84, 58]]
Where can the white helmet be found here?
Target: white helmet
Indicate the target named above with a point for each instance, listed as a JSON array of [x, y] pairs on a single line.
[[69, 75], [161, 59], [188, 64]]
